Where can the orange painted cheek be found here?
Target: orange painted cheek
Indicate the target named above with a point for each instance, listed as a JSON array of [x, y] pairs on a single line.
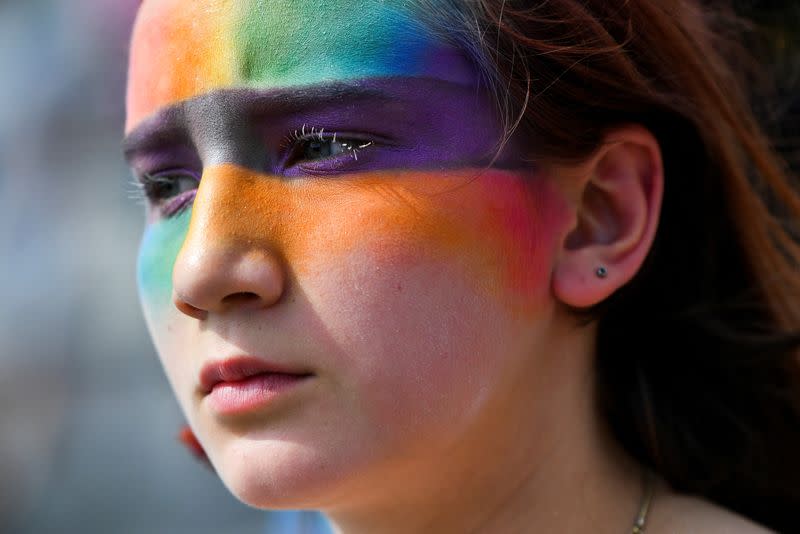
[[313, 221], [499, 228], [386, 215]]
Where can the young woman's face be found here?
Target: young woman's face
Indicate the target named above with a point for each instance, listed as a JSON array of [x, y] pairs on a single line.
[[318, 205]]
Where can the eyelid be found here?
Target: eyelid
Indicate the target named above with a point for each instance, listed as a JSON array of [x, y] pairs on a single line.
[[171, 171]]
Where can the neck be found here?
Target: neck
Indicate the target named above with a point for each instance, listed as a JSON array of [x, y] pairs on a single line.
[[547, 465]]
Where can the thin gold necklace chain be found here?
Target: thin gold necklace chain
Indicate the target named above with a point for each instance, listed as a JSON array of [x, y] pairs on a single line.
[[647, 499]]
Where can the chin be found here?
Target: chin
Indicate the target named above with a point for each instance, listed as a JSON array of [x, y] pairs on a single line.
[[275, 474]]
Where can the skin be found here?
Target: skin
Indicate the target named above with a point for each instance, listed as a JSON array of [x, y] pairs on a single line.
[[451, 391]]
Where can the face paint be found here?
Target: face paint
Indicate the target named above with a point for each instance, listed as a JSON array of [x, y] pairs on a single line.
[[421, 127], [344, 144], [184, 49], [315, 225], [278, 42], [420, 206], [157, 252]]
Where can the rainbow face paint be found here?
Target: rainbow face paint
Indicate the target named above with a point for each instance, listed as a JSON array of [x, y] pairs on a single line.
[[186, 57], [417, 125], [183, 49], [337, 153]]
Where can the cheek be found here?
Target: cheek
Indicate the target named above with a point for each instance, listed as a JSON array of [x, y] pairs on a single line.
[[413, 340], [496, 230], [515, 221], [435, 299], [159, 248]]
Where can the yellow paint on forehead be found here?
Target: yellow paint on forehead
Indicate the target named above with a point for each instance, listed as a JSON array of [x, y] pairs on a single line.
[[185, 48], [179, 50]]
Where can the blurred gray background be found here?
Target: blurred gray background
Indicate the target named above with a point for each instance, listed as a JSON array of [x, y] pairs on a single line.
[[87, 422]]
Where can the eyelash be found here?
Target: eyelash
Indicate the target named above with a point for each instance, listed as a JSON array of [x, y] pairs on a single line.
[[302, 138], [150, 186]]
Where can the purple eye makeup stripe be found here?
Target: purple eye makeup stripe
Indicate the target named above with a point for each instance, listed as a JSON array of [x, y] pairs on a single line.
[[167, 126], [415, 123], [256, 104]]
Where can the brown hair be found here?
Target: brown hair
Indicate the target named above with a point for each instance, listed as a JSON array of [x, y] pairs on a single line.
[[697, 362]]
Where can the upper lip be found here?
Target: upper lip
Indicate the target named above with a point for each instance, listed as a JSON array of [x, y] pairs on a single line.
[[240, 368]]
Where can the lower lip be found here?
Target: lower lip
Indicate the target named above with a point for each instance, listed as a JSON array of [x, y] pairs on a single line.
[[244, 396]]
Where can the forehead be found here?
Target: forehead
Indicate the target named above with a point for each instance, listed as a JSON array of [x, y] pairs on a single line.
[[184, 48]]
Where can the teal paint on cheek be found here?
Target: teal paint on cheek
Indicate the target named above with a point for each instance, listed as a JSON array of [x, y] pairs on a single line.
[[160, 246], [296, 42]]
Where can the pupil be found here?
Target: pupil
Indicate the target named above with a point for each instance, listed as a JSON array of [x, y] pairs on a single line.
[[165, 189], [318, 149]]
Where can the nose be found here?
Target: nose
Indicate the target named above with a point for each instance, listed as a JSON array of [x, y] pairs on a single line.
[[229, 259]]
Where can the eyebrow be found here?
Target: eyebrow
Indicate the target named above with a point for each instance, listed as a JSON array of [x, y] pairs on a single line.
[[165, 126], [169, 125]]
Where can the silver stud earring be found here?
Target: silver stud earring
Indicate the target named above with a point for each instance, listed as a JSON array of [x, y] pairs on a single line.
[[601, 272]]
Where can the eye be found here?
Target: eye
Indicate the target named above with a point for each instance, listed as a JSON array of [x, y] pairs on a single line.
[[319, 146], [168, 184], [169, 191], [324, 148]]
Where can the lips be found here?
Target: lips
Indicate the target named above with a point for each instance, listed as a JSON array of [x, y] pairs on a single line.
[[245, 385], [239, 369]]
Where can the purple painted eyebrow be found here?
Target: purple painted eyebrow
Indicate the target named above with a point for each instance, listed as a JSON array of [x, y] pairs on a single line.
[[167, 126]]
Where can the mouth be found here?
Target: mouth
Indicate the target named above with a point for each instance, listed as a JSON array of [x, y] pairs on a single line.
[[244, 384]]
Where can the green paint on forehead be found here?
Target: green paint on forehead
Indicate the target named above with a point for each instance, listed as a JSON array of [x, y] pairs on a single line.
[[183, 49], [296, 42]]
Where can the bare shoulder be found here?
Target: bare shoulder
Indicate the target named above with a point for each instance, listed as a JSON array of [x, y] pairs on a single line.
[[672, 513]]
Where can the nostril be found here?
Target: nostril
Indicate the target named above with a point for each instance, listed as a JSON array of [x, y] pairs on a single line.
[[190, 310], [243, 297], [222, 277]]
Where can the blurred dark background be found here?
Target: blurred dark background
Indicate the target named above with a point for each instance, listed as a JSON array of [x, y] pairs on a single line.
[[87, 422], [775, 45]]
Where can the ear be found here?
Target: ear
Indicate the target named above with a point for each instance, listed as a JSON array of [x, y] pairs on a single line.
[[616, 196]]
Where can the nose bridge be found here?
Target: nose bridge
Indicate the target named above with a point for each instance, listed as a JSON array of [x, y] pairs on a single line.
[[230, 249], [235, 207]]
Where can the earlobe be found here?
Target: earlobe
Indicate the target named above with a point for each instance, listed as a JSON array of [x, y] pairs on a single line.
[[616, 211]]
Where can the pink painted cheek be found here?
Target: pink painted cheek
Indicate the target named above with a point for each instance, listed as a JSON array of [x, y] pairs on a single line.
[[524, 218], [504, 227]]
